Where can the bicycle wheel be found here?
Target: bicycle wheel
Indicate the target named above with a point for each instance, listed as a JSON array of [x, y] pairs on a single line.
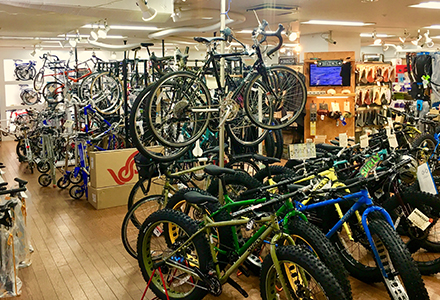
[[244, 131], [152, 247], [424, 147], [244, 165], [403, 275], [141, 136], [305, 276], [30, 97], [428, 262], [20, 149], [134, 218], [63, 182], [39, 81], [283, 93], [53, 92], [43, 167], [44, 180], [262, 175], [235, 183], [106, 93], [22, 73], [76, 191], [137, 192], [310, 238], [85, 86], [75, 179], [177, 110]]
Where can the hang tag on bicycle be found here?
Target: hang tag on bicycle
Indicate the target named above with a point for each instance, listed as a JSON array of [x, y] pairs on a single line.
[[250, 225], [425, 179], [157, 231], [364, 141], [68, 124], [23, 195], [343, 140], [419, 219]]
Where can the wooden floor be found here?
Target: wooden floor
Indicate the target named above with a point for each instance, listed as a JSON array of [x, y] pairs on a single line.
[[79, 255]]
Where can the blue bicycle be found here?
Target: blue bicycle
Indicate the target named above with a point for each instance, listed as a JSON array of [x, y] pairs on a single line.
[[369, 242]]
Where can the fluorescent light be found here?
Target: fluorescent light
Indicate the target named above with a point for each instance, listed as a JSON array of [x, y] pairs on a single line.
[[125, 27], [16, 38], [86, 36], [433, 27], [290, 45], [207, 18], [337, 23], [379, 35], [245, 31], [430, 5]]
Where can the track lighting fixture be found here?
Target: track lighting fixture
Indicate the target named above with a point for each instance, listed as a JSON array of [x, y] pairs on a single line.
[[148, 13], [113, 55], [428, 41], [102, 31], [416, 41], [94, 35], [377, 41], [404, 37], [329, 38], [34, 51]]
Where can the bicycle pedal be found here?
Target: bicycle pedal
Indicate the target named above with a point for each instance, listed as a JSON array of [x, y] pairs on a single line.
[[236, 286], [244, 271]]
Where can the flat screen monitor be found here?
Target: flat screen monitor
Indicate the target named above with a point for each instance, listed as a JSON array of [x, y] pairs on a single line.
[[330, 76]]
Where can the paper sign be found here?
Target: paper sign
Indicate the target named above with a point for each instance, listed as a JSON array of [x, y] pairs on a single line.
[[419, 219], [425, 179], [302, 151], [393, 141], [68, 124], [343, 140], [364, 141], [347, 106]]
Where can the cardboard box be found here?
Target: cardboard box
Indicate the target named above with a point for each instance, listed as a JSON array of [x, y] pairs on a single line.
[[111, 196], [114, 167]]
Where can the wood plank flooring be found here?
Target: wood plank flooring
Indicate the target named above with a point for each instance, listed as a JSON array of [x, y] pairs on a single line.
[[79, 254]]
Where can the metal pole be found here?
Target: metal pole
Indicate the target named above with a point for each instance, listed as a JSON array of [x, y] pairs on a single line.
[[222, 81], [125, 82]]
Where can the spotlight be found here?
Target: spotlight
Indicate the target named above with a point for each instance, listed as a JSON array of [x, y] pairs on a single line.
[[329, 39], [33, 52], [298, 48], [399, 47], [293, 36], [148, 13], [113, 56], [428, 40], [416, 41], [102, 32], [377, 41], [94, 35], [283, 50]]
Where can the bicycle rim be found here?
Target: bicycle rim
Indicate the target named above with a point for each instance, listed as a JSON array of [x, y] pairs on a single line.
[[171, 109]]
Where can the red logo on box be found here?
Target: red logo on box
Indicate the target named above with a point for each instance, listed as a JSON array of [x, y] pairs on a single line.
[[126, 173]]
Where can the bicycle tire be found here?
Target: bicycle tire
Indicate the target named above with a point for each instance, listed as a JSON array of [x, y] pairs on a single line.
[[428, 143], [400, 259], [22, 73], [77, 179], [30, 97], [315, 271], [186, 227], [44, 180], [136, 192], [269, 145], [76, 191], [133, 221], [106, 93], [235, 183], [244, 165], [291, 98], [309, 237], [43, 167], [279, 143], [429, 205], [20, 149], [141, 135], [244, 132], [86, 85], [39, 80], [53, 92], [180, 92], [63, 183], [274, 171]]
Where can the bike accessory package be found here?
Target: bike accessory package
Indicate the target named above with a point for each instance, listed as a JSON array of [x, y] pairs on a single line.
[[145, 166]]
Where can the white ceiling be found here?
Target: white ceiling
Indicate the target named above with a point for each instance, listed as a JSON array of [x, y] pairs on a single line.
[[50, 18]]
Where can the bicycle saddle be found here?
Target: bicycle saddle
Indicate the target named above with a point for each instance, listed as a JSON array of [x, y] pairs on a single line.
[[147, 44], [199, 199], [208, 40], [214, 150], [154, 58], [217, 171], [265, 160]]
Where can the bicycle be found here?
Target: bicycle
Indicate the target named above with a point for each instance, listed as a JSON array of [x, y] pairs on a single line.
[[193, 263], [24, 71], [39, 77], [182, 100]]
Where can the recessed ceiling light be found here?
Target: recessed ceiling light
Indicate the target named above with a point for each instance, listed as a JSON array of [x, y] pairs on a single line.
[[430, 5], [379, 35], [368, 1], [125, 27], [336, 23]]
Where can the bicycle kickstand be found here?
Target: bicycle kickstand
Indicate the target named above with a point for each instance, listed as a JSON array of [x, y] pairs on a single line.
[[149, 282]]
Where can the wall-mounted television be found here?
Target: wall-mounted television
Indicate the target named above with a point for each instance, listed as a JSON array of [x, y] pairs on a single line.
[[330, 75]]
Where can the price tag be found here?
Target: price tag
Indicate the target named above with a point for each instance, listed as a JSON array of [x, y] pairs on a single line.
[[425, 179], [364, 141], [302, 151], [393, 141], [157, 231], [419, 219], [68, 124], [23, 195], [343, 140], [390, 122], [347, 106]]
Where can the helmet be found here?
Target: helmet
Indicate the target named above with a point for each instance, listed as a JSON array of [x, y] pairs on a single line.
[[408, 173]]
